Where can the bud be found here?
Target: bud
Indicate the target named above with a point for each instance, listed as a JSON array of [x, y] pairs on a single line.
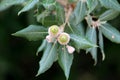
[[64, 38], [54, 31], [49, 38], [70, 49]]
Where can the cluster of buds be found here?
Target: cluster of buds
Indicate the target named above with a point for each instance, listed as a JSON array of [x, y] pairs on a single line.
[[56, 34]]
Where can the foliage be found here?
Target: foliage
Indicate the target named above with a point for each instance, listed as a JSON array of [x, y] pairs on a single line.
[[72, 17]]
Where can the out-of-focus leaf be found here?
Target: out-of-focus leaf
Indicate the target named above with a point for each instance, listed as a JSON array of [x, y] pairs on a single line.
[[32, 33], [91, 35], [79, 13], [65, 60], [60, 14], [42, 46], [40, 17], [111, 4], [29, 5], [48, 58], [89, 20], [109, 15], [92, 4], [81, 42], [101, 44], [110, 32], [48, 4], [4, 4]]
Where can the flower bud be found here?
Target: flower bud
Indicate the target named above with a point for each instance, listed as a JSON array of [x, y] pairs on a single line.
[[70, 49], [54, 31], [49, 38], [64, 38]]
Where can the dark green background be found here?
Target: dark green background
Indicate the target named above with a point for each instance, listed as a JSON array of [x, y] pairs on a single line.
[[18, 60]]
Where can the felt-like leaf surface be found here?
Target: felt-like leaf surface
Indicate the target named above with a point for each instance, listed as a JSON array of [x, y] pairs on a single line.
[[109, 15], [4, 4], [81, 42], [111, 4], [91, 4], [91, 35], [110, 32], [29, 5], [65, 60], [32, 33], [101, 44], [42, 46], [48, 58], [79, 13]]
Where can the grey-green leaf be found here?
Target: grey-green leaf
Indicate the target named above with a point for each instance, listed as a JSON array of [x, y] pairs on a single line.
[[4, 4], [42, 46], [48, 58], [109, 15], [91, 4], [29, 5], [76, 29], [48, 4], [65, 60], [110, 32], [111, 4], [81, 42], [91, 35], [32, 33], [79, 13], [101, 44]]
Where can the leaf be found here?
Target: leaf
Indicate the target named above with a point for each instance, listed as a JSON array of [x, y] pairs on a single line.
[[110, 32], [109, 15], [60, 14], [81, 42], [4, 4], [29, 5], [48, 58], [91, 4], [101, 44], [91, 35], [48, 4], [79, 13], [76, 29], [32, 33], [42, 46], [65, 60], [111, 4], [40, 17]]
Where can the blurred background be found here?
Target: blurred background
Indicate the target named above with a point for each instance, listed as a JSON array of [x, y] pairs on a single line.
[[18, 60]]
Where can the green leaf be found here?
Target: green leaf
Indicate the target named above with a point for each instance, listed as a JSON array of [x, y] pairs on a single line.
[[65, 60], [79, 13], [60, 14], [42, 46], [91, 35], [48, 4], [81, 42], [110, 32], [111, 4], [101, 44], [91, 4], [48, 58], [32, 33], [109, 15], [40, 17], [4, 4], [76, 29], [29, 5]]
